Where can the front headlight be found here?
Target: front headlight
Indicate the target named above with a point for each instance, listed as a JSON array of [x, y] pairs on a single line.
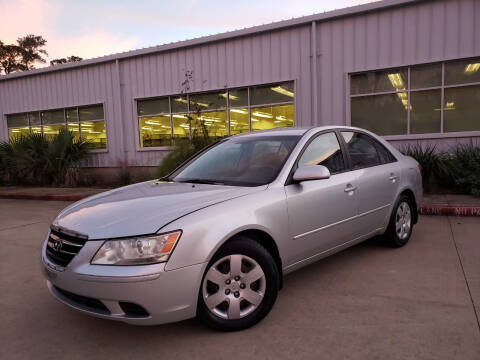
[[139, 250]]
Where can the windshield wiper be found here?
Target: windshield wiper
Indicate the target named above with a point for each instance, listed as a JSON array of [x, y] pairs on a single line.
[[202, 181]]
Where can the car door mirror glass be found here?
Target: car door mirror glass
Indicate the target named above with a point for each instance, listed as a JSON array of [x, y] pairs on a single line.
[[311, 172]]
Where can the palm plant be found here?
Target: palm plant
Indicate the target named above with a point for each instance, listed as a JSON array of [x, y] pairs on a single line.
[[35, 159]]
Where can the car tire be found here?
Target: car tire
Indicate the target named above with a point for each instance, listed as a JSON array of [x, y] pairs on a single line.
[[230, 299], [401, 223]]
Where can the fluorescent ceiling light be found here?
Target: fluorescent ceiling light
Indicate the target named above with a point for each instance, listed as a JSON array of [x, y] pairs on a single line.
[[282, 91], [471, 68], [179, 116], [397, 81], [450, 105], [232, 97], [262, 114], [255, 120], [150, 122], [239, 111]]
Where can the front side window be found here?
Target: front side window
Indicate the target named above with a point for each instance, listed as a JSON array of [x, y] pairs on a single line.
[[324, 150], [362, 150], [244, 161]]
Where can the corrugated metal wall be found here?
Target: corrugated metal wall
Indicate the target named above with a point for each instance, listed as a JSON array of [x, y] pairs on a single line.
[[60, 89], [265, 58], [424, 32], [428, 31]]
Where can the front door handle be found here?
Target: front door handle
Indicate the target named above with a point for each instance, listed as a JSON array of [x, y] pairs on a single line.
[[350, 188]]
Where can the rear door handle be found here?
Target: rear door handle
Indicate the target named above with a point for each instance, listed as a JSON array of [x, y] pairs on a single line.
[[392, 177], [350, 188]]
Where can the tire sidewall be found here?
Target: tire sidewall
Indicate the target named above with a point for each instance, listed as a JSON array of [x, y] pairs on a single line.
[[393, 237]]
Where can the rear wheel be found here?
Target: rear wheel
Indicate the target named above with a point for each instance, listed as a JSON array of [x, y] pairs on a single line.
[[401, 223], [239, 286]]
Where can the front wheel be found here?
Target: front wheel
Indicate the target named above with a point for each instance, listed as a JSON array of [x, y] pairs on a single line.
[[401, 223], [239, 286]]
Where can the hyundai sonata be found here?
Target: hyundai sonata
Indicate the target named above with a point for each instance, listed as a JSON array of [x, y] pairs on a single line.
[[214, 238]]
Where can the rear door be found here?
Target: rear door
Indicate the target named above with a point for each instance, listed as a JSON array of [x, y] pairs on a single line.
[[377, 178], [322, 212]]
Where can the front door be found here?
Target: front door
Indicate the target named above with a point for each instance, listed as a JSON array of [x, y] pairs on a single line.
[[322, 213]]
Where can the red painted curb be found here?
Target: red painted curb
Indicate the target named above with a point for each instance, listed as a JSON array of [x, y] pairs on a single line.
[[449, 210]]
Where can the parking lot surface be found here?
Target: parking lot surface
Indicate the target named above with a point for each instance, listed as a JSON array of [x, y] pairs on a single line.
[[368, 302]]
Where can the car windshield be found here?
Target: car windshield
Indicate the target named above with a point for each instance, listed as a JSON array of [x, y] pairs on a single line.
[[242, 161]]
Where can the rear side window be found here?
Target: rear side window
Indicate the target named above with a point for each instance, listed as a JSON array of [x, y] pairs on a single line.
[[324, 150], [362, 150], [385, 155]]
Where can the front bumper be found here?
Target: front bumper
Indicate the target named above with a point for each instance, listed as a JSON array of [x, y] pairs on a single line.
[[167, 296]]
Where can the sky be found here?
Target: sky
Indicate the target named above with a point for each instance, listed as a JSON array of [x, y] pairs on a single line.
[[93, 28]]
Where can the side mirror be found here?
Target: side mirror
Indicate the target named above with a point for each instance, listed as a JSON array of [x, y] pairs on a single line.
[[311, 172]]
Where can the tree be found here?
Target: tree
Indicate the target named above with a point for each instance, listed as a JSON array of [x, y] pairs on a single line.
[[69, 59], [11, 58], [32, 51]]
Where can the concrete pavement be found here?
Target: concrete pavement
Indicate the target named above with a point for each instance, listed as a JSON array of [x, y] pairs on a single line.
[[368, 302]]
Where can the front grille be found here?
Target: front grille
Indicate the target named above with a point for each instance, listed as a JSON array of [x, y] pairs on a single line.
[[62, 248], [86, 302]]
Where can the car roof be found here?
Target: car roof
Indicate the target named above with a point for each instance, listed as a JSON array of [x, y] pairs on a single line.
[[299, 131]]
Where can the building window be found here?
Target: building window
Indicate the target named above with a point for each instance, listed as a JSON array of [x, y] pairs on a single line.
[[408, 100], [218, 113], [85, 122]]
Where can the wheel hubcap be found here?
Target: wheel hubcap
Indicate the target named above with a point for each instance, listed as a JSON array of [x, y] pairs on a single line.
[[234, 287], [403, 220]]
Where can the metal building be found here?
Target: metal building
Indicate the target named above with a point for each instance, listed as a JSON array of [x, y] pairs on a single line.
[[408, 70]]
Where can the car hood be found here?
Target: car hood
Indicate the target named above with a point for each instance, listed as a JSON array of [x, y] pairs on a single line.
[[142, 208]]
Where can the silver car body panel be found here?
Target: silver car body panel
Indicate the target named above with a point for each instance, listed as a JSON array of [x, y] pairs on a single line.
[[307, 221]]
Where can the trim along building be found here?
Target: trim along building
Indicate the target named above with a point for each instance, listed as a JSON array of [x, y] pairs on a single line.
[[408, 70]]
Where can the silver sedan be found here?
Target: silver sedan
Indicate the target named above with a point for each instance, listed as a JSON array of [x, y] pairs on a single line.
[[214, 238]]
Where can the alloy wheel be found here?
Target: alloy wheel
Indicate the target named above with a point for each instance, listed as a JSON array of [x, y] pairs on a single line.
[[234, 286], [403, 220]]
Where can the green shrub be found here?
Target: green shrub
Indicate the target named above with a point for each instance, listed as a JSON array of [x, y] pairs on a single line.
[[464, 165], [35, 160], [428, 159], [457, 170]]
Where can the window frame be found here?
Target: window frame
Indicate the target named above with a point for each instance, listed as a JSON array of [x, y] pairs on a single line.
[[226, 109], [408, 135], [65, 123]]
